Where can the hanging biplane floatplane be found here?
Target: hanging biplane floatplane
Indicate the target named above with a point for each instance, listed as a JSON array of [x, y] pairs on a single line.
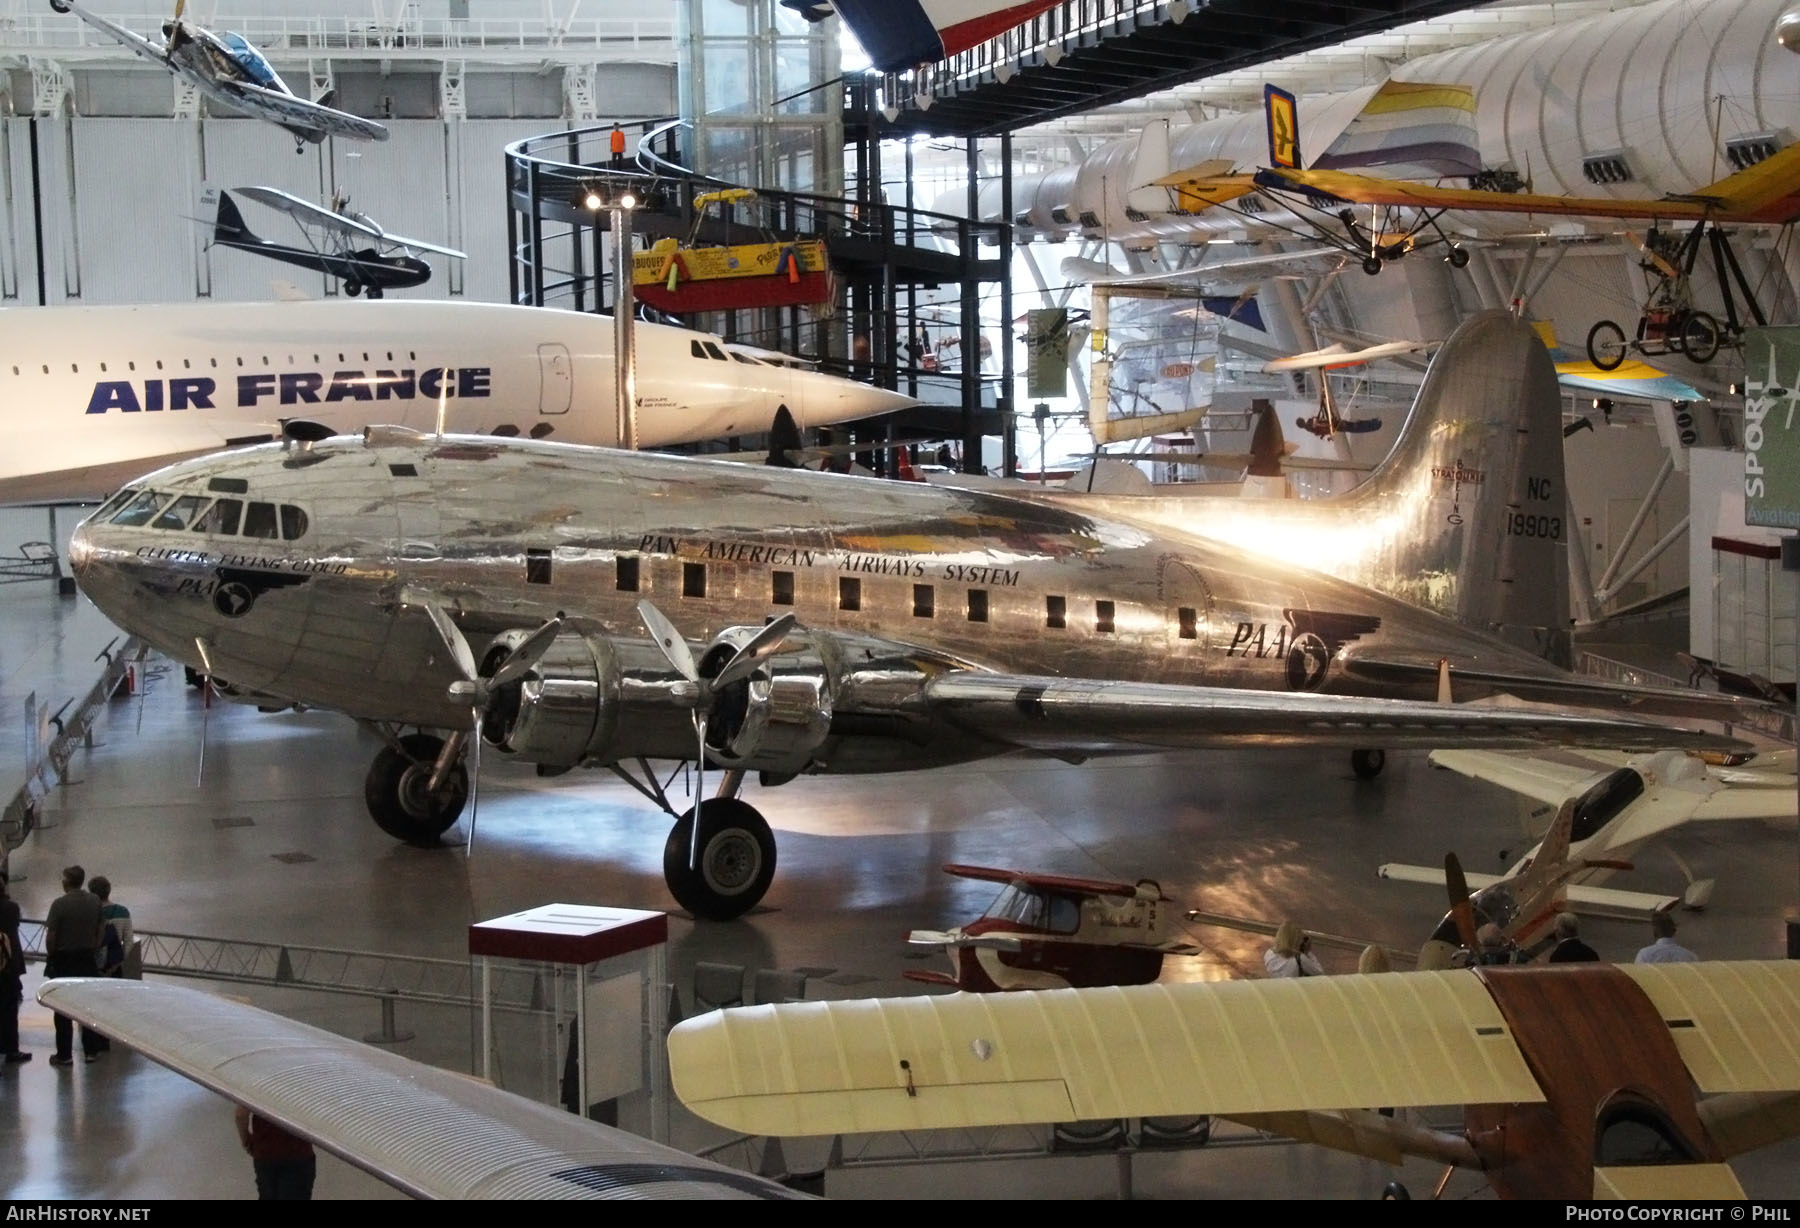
[[340, 242], [681, 277], [1376, 220]]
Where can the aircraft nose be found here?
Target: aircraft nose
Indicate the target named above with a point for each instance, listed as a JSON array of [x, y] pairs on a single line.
[[81, 550], [825, 399]]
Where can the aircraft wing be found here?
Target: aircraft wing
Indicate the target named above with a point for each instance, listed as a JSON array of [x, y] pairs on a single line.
[[1540, 779], [1088, 716], [1744, 802], [157, 53], [428, 1132], [1202, 187], [307, 213], [1224, 1047], [300, 112], [1765, 192]]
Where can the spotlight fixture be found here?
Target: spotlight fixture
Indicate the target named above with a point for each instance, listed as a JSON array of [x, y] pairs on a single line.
[[592, 200]]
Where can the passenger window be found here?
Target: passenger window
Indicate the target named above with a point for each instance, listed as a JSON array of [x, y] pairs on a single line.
[[179, 514], [1056, 613], [693, 579], [781, 585], [259, 521], [221, 518], [293, 522], [140, 509], [1103, 617], [849, 593], [978, 605], [1189, 623], [695, 350], [924, 601], [625, 573], [537, 566]]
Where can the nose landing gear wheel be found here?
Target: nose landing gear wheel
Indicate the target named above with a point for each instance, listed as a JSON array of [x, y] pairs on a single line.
[[1367, 764], [395, 791], [736, 863]]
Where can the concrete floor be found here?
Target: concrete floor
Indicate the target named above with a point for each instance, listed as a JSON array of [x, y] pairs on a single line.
[[1264, 835]]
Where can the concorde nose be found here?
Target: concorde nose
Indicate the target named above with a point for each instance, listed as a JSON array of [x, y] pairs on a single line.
[[826, 398]]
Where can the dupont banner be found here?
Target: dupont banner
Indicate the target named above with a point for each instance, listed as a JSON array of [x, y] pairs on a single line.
[[1771, 434]]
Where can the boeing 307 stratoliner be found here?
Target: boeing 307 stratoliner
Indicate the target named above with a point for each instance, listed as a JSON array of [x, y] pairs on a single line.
[[542, 598]]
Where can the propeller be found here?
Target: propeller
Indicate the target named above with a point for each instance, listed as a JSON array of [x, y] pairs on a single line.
[[1462, 908], [478, 691], [701, 694]]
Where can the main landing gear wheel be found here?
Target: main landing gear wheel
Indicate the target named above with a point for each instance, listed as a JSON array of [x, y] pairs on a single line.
[[354, 288], [1458, 257], [1367, 764], [395, 791], [1606, 345], [736, 864], [1372, 265]]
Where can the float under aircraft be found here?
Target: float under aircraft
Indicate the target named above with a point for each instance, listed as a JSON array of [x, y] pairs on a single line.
[[541, 598], [1577, 1081], [228, 70], [1619, 804], [429, 1133], [340, 242], [1050, 931], [104, 394]]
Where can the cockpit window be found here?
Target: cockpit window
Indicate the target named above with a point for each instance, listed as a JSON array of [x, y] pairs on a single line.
[[221, 518], [695, 350], [112, 504], [259, 521], [745, 358], [1630, 1131], [1601, 804], [714, 352], [293, 522], [180, 514], [140, 509]]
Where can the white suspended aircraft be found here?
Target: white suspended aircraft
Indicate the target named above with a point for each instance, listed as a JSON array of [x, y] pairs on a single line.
[[430, 1133], [228, 70], [99, 395], [1621, 802], [513, 593]]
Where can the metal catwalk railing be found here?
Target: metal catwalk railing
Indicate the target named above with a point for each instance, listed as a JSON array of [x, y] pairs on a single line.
[[281, 965], [1769, 720]]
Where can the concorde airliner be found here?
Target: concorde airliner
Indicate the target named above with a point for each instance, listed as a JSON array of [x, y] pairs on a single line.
[[95, 396]]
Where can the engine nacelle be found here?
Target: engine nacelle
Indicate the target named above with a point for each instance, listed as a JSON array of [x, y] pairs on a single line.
[[592, 698], [776, 719]]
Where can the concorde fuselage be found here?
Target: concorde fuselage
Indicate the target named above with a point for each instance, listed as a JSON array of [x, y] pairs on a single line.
[[94, 396], [891, 582]]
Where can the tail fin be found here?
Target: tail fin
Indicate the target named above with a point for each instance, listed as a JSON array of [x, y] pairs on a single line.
[[1470, 509], [1283, 116], [228, 223], [1549, 864]]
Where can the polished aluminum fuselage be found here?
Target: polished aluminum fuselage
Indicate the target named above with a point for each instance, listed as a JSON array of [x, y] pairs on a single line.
[[506, 534]]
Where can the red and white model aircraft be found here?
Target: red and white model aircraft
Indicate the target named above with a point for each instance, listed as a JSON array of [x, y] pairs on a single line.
[[1045, 931]]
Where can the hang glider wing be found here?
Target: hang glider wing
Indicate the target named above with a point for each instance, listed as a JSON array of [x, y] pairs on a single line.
[[1085, 716], [299, 112], [1767, 192], [428, 1132], [157, 53], [1334, 356], [1077, 269]]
